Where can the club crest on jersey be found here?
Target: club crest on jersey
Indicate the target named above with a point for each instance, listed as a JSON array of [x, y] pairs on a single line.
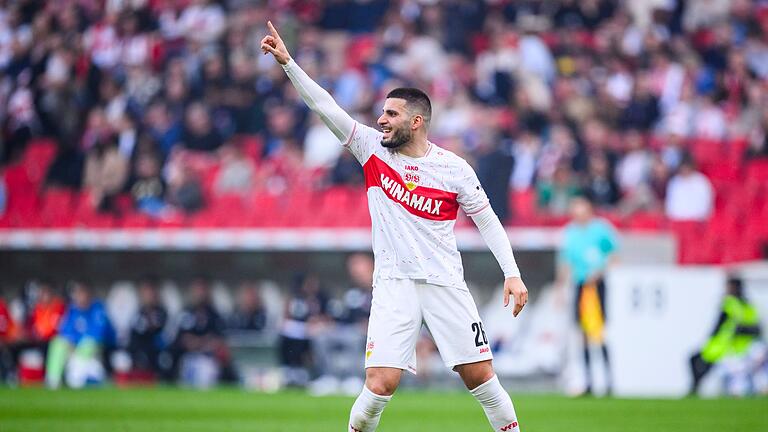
[[418, 202], [429, 203], [411, 179]]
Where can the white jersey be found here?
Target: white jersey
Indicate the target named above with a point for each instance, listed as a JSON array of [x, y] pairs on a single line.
[[414, 203]]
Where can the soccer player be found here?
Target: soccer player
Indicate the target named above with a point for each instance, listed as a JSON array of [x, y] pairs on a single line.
[[415, 189]]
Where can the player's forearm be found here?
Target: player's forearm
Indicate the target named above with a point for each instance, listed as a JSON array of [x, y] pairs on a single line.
[[320, 101], [496, 238]]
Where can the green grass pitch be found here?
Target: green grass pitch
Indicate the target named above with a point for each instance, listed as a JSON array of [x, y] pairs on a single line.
[[223, 410]]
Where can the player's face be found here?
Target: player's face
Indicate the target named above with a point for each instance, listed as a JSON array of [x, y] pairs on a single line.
[[395, 123]]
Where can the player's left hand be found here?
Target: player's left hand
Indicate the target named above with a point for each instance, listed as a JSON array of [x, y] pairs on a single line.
[[515, 287]]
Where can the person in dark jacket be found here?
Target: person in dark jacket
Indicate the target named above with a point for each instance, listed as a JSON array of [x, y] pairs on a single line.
[[146, 340]]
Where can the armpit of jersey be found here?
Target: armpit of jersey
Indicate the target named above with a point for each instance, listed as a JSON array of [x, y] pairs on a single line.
[[362, 142], [428, 203]]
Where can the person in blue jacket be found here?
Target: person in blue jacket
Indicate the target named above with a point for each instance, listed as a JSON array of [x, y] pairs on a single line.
[[84, 331]]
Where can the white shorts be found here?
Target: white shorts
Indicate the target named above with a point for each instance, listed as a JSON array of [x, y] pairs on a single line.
[[399, 308]]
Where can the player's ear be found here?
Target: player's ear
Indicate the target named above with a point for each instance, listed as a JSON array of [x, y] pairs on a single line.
[[417, 121]]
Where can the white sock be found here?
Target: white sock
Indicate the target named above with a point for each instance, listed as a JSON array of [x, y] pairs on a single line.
[[497, 405], [366, 411]]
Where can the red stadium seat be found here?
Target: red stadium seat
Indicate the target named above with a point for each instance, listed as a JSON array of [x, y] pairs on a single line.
[[172, 220], [252, 147], [757, 171], [646, 221], [136, 220], [523, 206], [37, 158], [689, 235], [58, 207], [707, 152]]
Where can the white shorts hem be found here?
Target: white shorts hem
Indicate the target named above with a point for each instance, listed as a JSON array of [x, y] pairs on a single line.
[[450, 364], [392, 365]]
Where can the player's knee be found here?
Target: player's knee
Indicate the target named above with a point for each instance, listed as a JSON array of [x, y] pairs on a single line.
[[475, 374], [381, 387], [381, 383]]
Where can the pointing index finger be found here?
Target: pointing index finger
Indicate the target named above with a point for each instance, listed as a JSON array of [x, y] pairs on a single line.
[[273, 30]]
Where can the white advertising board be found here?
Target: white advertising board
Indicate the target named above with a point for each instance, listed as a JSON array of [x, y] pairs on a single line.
[[657, 318]]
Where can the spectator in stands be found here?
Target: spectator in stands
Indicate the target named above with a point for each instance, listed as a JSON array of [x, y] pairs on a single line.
[[106, 171], [758, 138], [236, 172], [3, 194], [494, 168], [305, 312], [184, 191], [650, 194], [241, 98], [203, 21], [554, 196], [199, 133], [250, 315], [18, 127], [642, 110], [689, 194], [84, 332], [147, 342], [634, 167], [66, 170], [589, 248], [148, 187], [525, 151], [200, 350], [601, 188], [162, 127], [346, 170]]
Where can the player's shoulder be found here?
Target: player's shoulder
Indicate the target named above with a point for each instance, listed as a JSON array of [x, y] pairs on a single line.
[[367, 132], [448, 158]]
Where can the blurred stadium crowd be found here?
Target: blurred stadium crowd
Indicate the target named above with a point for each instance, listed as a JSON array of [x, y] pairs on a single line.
[[163, 113], [197, 333]]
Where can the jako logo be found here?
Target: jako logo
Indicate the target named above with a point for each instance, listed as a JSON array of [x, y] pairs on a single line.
[[509, 426]]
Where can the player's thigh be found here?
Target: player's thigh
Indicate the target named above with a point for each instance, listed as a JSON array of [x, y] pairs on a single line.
[[393, 326], [454, 322]]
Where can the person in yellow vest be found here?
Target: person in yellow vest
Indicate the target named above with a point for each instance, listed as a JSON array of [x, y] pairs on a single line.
[[736, 330]]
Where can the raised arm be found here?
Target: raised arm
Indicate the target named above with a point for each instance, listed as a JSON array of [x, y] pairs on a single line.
[[316, 98]]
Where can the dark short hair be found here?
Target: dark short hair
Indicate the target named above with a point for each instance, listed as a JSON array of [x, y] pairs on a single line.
[[415, 100]]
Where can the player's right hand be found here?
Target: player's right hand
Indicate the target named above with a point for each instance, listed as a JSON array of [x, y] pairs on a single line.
[[515, 288], [273, 43]]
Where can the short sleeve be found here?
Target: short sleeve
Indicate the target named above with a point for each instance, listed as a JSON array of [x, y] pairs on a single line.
[[362, 142], [471, 195]]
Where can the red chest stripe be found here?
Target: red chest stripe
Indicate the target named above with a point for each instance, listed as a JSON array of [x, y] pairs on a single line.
[[429, 203]]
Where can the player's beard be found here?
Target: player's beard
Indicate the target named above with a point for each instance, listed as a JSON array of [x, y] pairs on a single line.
[[399, 138]]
